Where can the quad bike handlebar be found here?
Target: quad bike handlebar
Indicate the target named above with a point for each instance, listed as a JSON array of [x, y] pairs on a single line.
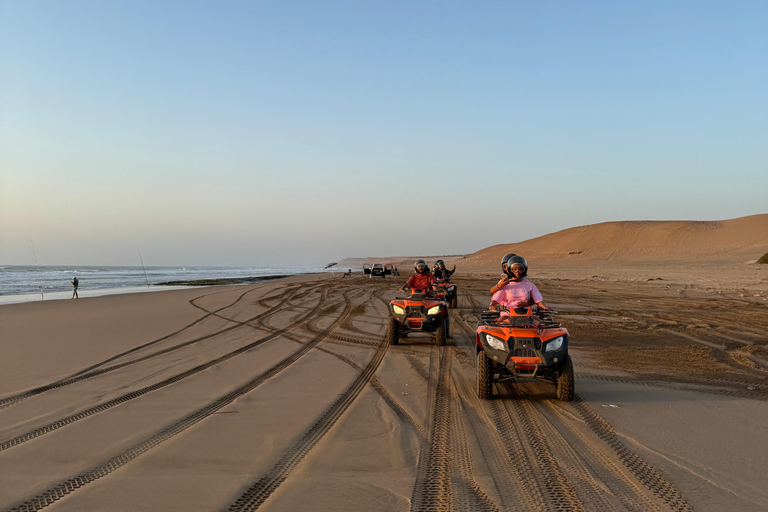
[[519, 316], [413, 292], [537, 310]]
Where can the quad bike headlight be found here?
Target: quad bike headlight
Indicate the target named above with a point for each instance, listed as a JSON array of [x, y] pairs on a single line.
[[495, 342], [555, 344], [434, 310], [397, 309]]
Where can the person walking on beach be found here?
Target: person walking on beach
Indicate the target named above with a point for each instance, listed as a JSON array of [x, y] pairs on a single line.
[[75, 284]]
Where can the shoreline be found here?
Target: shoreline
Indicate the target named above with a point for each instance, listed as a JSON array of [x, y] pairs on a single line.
[[223, 281], [25, 298], [159, 287]]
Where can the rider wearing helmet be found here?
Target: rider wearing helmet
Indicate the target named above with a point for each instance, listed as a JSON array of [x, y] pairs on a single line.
[[422, 279], [514, 290], [441, 272], [504, 275], [504, 261]]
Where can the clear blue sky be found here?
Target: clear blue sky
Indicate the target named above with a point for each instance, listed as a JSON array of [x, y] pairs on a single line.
[[298, 133]]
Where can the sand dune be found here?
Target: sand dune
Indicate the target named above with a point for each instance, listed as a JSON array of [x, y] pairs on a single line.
[[737, 240]]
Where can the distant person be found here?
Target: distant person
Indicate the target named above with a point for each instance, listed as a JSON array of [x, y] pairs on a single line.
[[440, 272], [395, 271], [75, 284], [422, 279], [514, 290]]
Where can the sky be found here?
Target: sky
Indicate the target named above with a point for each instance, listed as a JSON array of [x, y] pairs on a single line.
[[296, 133]]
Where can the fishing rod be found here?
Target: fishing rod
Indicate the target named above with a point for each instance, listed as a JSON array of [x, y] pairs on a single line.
[[37, 268], [142, 267]]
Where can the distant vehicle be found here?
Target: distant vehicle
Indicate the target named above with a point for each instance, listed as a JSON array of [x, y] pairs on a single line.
[[389, 269], [366, 268], [378, 270]]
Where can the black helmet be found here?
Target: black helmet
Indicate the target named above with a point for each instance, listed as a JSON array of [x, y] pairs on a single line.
[[504, 261], [420, 266], [440, 264], [517, 260]]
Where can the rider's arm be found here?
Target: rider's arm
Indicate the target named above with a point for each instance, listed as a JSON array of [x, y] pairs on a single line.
[[502, 283], [536, 298]]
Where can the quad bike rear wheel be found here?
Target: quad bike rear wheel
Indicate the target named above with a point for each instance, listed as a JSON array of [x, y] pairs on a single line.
[[484, 372], [454, 302], [440, 333], [565, 385], [393, 332]]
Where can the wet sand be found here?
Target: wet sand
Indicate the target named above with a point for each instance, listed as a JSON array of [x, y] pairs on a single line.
[[285, 395]]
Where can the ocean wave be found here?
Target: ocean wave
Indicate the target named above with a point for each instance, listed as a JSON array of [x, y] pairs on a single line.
[[26, 279]]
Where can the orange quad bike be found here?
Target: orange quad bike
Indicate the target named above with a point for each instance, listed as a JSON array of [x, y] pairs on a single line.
[[522, 342], [419, 312], [447, 291]]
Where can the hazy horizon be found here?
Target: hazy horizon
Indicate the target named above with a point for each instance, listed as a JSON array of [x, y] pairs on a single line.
[[300, 133]]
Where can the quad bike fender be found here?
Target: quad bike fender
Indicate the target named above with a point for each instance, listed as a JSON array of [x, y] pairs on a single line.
[[495, 353], [548, 349], [554, 348]]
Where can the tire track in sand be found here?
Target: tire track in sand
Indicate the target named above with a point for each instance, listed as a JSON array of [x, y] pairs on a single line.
[[57, 492], [63, 422], [15, 399]]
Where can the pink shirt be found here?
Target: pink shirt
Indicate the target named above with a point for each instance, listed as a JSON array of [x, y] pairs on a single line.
[[516, 293]]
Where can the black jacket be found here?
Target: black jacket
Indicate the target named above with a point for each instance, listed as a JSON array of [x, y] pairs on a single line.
[[443, 273]]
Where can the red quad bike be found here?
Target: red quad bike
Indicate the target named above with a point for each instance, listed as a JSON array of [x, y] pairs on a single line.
[[419, 312], [447, 291], [527, 343]]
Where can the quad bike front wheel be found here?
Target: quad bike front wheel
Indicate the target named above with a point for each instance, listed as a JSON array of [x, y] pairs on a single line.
[[440, 333], [565, 385], [393, 332], [484, 372]]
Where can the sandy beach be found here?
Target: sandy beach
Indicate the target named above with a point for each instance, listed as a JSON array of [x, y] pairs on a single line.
[[191, 192], [285, 395]]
